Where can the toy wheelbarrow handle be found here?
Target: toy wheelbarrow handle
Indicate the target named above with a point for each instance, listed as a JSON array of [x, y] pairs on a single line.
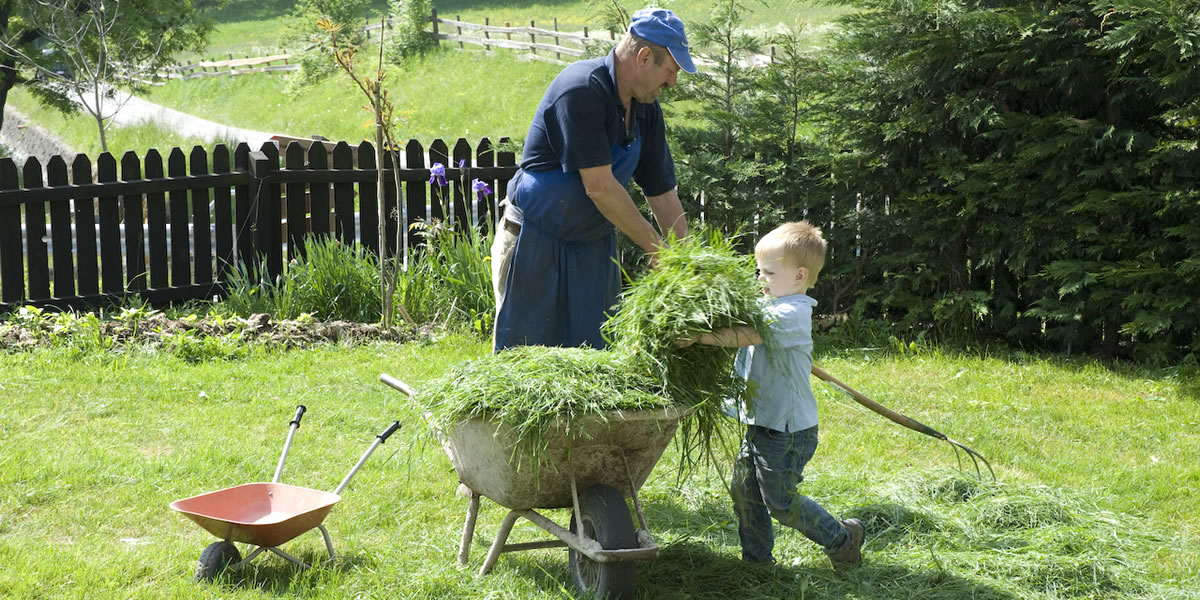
[[299, 413], [379, 439], [287, 445]]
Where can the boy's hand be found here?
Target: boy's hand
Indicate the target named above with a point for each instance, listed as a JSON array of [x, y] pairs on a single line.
[[685, 342]]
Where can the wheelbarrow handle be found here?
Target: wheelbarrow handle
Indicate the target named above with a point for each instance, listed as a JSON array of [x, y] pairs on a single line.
[[397, 384]]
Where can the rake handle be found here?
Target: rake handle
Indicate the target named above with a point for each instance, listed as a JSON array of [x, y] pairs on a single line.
[[892, 415]]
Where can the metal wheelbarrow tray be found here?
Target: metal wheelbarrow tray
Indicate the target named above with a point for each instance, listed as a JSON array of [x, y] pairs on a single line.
[[590, 466], [266, 515]]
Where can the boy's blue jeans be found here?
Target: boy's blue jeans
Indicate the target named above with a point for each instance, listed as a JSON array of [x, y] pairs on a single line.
[[768, 468]]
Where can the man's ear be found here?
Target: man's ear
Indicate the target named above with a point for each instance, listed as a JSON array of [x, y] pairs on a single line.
[[644, 55]]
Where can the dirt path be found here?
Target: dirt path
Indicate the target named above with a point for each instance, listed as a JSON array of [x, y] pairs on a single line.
[[25, 138], [137, 110]]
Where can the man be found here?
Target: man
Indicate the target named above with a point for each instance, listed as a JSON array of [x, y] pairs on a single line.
[[598, 126]]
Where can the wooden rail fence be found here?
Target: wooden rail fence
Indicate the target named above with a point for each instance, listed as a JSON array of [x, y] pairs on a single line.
[[540, 44], [554, 42], [173, 230]]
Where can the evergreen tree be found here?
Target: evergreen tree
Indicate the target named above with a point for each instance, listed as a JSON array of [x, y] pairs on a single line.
[[1035, 163]]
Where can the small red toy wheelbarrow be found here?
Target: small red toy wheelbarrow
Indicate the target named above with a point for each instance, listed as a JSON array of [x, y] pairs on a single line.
[[264, 514]]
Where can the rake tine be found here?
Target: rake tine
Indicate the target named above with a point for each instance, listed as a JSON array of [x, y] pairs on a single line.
[[975, 458]]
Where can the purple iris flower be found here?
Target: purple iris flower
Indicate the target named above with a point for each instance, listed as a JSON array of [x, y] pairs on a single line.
[[437, 174], [482, 191]]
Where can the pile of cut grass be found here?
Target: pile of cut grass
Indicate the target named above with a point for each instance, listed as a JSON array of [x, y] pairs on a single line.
[[937, 535], [700, 283], [528, 386]]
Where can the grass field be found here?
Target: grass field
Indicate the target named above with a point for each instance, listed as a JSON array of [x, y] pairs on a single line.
[[1097, 497], [444, 95]]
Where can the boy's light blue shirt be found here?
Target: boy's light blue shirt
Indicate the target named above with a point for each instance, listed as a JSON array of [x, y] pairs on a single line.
[[780, 394]]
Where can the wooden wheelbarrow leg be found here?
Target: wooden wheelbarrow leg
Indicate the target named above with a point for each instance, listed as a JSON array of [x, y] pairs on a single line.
[[464, 547], [501, 538]]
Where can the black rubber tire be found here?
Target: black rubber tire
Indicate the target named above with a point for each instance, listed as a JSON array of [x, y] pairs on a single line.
[[215, 558], [605, 519]]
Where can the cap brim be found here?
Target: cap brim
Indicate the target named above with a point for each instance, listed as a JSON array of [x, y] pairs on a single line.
[[683, 59]]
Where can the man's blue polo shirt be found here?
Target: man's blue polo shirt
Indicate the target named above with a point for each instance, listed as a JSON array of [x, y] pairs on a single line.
[[581, 117]]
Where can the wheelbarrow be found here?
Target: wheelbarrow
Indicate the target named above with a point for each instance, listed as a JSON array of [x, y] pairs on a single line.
[[265, 515], [589, 466]]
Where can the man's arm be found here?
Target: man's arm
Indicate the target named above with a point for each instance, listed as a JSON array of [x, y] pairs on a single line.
[[613, 201], [668, 212], [728, 337]]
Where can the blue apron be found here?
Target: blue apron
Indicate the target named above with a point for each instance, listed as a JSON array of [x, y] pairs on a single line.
[[564, 276]]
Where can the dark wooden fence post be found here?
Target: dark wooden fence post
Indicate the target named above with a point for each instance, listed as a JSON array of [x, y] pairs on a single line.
[[37, 253], [12, 272], [177, 204], [202, 243], [415, 194], [506, 158], [222, 216], [438, 153], [295, 203], [343, 195], [462, 182], [112, 271], [368, 200], [60, 231], [265, 202], [391, 204], [156, 217], [134, 219], [245, 212], [86, 261], [318, 206], [484, 157]]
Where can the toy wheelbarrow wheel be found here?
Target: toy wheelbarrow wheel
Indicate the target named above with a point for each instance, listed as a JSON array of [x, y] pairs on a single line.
[[605, 519], [264, 514], [216, 558]]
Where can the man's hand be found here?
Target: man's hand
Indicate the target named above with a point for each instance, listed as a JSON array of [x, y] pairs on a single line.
[[685, 342]]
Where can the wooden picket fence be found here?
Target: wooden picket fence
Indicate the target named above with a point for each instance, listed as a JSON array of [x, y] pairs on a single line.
[[545, 45], [81, 234]]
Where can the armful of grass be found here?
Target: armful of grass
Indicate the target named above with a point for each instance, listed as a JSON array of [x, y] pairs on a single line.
[[728, 337]]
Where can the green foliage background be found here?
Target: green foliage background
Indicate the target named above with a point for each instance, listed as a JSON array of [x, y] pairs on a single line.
[[986, 171]]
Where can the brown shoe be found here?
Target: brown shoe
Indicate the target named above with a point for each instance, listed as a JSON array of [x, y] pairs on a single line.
[[849, 554]]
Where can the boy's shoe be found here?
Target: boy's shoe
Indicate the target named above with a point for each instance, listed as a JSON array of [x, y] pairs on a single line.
[[849, 554]]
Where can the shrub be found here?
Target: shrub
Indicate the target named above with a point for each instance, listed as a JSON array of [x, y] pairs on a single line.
[[411, 32], [332, 281]]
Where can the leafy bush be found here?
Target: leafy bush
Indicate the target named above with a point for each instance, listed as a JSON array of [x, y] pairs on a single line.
[[1031, 172], [451, 278], [331, 281], [411, 33]]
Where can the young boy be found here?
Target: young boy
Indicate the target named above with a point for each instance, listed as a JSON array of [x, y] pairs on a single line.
[[781, 414]]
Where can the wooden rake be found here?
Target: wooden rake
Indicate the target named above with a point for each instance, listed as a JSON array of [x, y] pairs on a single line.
[[906, 421]]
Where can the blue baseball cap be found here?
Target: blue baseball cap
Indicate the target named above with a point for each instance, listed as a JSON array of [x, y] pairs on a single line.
[[661, 26]]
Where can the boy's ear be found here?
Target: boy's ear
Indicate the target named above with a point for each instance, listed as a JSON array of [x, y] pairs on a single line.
[[801, 273]]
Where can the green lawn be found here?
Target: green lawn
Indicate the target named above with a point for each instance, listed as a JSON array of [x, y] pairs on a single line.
[[444, 95], [1097, 496]]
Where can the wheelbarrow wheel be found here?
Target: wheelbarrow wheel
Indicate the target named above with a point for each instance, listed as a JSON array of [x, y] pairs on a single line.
[[605, 519], [216, 558]]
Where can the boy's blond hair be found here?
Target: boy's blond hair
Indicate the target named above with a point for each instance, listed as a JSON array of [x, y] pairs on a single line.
[[798, 241]]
